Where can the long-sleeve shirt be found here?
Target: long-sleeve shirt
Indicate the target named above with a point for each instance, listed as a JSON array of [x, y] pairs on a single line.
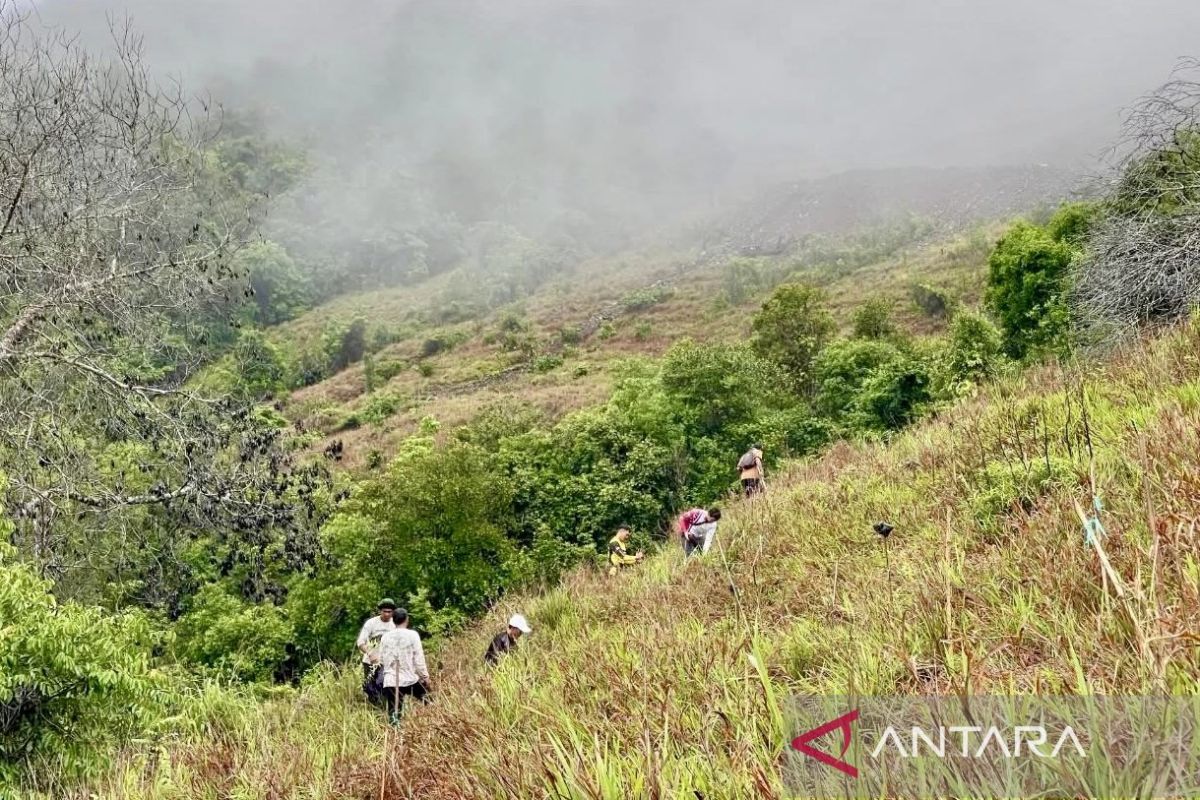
[[372, 631], [618, 554], [690, 519], [501, 644], [403, 658]]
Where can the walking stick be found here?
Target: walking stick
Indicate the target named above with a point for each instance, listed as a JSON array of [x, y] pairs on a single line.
[[396, 697]]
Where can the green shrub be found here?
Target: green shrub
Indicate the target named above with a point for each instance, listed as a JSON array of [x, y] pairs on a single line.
[[975, 348], [643, 331], [402, 533], [425, 369], [312, 367], [386, 370], [1026, 290], [646, 297], [281, 291], [75, 682], [259, 365], [791, 328], [741, 278], [369, 375], [548, 362], [791, 432], [934, 302], [842, 370], [511, 323], [1072, 222], [606, 331], [1003, 488], [245, 641], [873, 320], [895, 394], [378, 407], [344, 342], [570, 335]]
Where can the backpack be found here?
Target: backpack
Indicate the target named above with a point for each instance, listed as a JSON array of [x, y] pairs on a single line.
[[747, 460]]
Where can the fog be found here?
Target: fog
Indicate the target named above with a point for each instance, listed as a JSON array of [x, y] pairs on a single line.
[[631, 112]]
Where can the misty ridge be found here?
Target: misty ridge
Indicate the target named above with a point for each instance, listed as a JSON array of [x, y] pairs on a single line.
[[433, 134]]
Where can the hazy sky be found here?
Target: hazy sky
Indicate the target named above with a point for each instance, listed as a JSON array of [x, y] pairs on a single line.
[[558, 102]]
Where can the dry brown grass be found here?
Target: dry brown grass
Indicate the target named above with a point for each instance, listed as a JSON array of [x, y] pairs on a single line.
[[668, 681]]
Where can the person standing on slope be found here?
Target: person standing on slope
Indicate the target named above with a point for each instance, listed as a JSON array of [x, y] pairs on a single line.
[[368, 644], [750, 468], [697, 528], [507, 639], [402, 664], [618, 552]]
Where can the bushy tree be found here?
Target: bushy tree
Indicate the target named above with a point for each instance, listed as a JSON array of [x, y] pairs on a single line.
[[1072, 222], [74, 681], [842, 370], [1027, 290], [870, 385], [280, 290], [344, 342], [974, 350], [436, 520], [873, 320], [718, 385], [117, 242], [895, 394], [791, 328], [245, 641], [258, 365]]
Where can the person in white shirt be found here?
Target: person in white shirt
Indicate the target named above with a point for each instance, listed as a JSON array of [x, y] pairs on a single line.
[[402, 661], [368, 644]]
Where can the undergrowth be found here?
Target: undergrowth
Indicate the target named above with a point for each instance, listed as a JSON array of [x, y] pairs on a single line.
[[669, 680]]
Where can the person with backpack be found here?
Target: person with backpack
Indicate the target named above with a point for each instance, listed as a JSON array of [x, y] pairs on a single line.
[[507, 639], [618, 552], [750, 469], [697, 528], [402, 671], [368, 644]]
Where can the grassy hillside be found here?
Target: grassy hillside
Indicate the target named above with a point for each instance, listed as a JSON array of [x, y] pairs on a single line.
[[557, 349], [668, 680]]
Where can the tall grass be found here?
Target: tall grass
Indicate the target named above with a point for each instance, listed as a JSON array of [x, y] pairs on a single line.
[[670, 679]]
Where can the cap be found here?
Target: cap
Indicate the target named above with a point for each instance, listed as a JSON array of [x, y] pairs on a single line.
[[387, 602], [518, 621]]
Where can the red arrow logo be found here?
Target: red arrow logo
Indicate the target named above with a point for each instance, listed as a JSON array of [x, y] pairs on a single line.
[[843, 722]]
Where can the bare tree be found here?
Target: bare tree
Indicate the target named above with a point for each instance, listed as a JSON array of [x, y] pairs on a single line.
[[1143, 259], [115, 240]]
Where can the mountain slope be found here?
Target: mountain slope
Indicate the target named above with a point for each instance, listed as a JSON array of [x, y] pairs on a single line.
[[669, 680], [558, 350]]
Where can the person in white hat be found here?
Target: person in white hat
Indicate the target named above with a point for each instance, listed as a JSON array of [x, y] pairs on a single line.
[[507, 640]]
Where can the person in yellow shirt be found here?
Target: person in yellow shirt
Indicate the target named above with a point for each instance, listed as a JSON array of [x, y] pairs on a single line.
[[618, 552]]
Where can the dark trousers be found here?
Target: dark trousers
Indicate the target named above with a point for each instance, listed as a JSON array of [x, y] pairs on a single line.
[[372, 687], [394, 696], [751, 486]]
